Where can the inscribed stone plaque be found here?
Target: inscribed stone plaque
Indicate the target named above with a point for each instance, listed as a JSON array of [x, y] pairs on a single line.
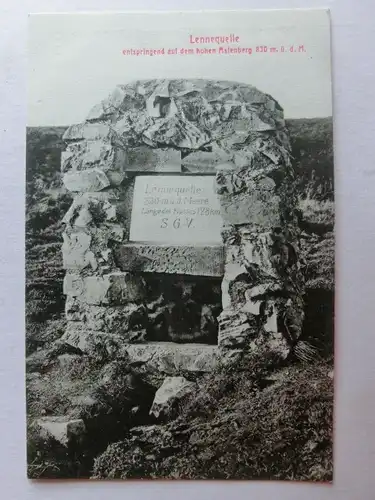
[[176, 209]]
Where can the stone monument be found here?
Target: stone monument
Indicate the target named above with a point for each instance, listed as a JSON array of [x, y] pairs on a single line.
[[183, 226]]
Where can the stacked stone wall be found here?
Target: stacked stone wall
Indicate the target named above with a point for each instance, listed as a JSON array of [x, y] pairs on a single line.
[[226, 129]]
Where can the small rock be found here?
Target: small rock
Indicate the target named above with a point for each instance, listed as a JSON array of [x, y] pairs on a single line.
[[61, 429], [171, 391]]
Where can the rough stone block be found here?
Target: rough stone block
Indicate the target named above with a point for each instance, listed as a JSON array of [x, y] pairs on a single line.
[[114, 288], [111, 289], [177, 132], [122, 98], [92, 179], [73, 285], [61, 429], [133, 122], [200, 261], [146, 159], [107, 106], [235, 330], [172, 390], [93, 154], [254, 203], [90, 342], [116, 233], [78, 214], [74, 309], [207, 162], [88, 131], [256, 248], [96, 290], [91, 208], [99, 343], [235, 132], [76, 251], [115, 320]]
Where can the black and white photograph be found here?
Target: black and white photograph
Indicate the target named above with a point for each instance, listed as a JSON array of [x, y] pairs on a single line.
[[180, 246]]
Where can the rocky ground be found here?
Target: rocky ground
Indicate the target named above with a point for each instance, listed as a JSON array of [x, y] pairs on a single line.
[[231, 426]]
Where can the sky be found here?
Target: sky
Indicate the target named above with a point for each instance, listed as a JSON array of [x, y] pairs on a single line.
[[76, 60]]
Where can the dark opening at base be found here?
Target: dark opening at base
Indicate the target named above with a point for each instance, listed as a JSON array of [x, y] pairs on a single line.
[[183, 308]]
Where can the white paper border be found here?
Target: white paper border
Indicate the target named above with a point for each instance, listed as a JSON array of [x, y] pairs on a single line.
[[354, 137]]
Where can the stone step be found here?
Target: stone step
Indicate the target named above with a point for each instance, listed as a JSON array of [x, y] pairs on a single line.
[[173, 359]]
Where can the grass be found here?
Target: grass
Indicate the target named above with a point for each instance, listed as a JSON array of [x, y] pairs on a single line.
[[239, 426], [317, 212]]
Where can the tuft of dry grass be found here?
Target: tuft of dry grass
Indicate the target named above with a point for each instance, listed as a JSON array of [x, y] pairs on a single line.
[[317, 212]]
